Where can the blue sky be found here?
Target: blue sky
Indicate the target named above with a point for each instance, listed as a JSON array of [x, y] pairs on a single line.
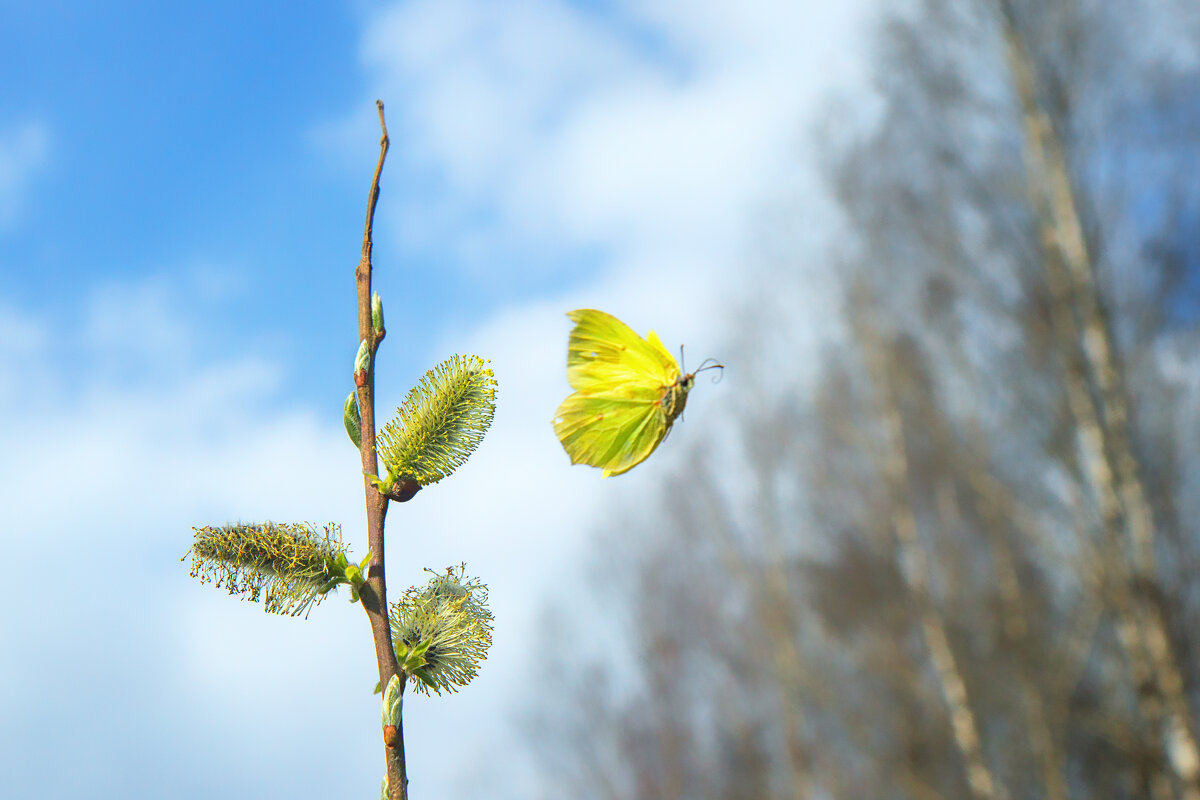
[[182, 189], [167, 139]]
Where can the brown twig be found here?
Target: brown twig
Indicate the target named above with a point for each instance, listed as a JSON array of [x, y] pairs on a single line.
[[915, 568], [374, 593]]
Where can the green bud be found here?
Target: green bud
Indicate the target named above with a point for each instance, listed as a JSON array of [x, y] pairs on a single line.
[[414, 657], [362, 361], [352, 420], [384, 485], [393, 701], [383, 790], [377, 312]]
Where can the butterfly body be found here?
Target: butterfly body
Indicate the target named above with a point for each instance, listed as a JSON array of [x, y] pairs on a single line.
[[628, 393]]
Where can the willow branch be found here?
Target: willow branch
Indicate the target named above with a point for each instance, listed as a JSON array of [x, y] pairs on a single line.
[[374, 593]]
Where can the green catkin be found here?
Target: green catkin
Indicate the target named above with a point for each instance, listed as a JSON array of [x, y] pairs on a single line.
[[441, 421], [442, 631], [289, 568]]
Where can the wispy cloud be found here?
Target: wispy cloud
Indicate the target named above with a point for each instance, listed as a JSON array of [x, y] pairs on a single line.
[[653, 127], [527, 133], [101, 480], [647, 131], [24, 150]]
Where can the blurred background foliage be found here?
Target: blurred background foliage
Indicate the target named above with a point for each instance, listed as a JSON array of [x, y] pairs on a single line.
[[962, 563]]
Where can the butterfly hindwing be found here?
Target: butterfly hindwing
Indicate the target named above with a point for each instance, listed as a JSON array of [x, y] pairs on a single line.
[[615, 431]]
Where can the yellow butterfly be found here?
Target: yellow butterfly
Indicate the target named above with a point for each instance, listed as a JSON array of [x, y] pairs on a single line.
[[628, 392]]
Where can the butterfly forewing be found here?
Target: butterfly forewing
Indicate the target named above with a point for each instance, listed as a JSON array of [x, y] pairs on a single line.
[[604, 352]]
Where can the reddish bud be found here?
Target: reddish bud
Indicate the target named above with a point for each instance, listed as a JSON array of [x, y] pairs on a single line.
[[404, 489]]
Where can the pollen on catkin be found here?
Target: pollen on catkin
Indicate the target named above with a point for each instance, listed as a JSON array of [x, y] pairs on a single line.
[[296, 565], [442, 631], [441, 421]]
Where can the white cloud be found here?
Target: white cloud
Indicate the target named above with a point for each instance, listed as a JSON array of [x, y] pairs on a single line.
[[555, 127], [24, 150], [657, 132], [101, 480], [22, 340], [652, 131], [521, 517]]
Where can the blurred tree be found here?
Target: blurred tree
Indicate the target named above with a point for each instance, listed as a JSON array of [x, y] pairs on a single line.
[[962, 565]]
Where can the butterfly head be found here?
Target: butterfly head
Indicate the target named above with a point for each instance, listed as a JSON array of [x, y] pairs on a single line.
[[676, 396]]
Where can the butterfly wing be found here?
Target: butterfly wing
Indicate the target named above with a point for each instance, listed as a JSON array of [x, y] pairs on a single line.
[[616, 418], [615, 430], [605, 352]]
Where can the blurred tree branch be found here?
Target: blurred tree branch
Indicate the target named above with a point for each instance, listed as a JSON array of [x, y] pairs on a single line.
[[960, 561]]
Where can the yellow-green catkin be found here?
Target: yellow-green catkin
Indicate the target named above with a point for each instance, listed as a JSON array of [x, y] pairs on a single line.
[[442, 631], [286, 567], [441, 421]]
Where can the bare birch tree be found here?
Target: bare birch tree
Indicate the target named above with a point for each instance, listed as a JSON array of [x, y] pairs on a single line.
[[964, 564]]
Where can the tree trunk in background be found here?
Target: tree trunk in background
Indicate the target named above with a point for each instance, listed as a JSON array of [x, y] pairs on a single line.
[[960, 561]]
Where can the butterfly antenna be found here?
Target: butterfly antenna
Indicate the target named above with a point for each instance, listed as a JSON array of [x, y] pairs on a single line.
[[682, 362], [713, 365]]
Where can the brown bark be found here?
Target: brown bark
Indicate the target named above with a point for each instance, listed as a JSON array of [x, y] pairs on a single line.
[[374, 594]]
